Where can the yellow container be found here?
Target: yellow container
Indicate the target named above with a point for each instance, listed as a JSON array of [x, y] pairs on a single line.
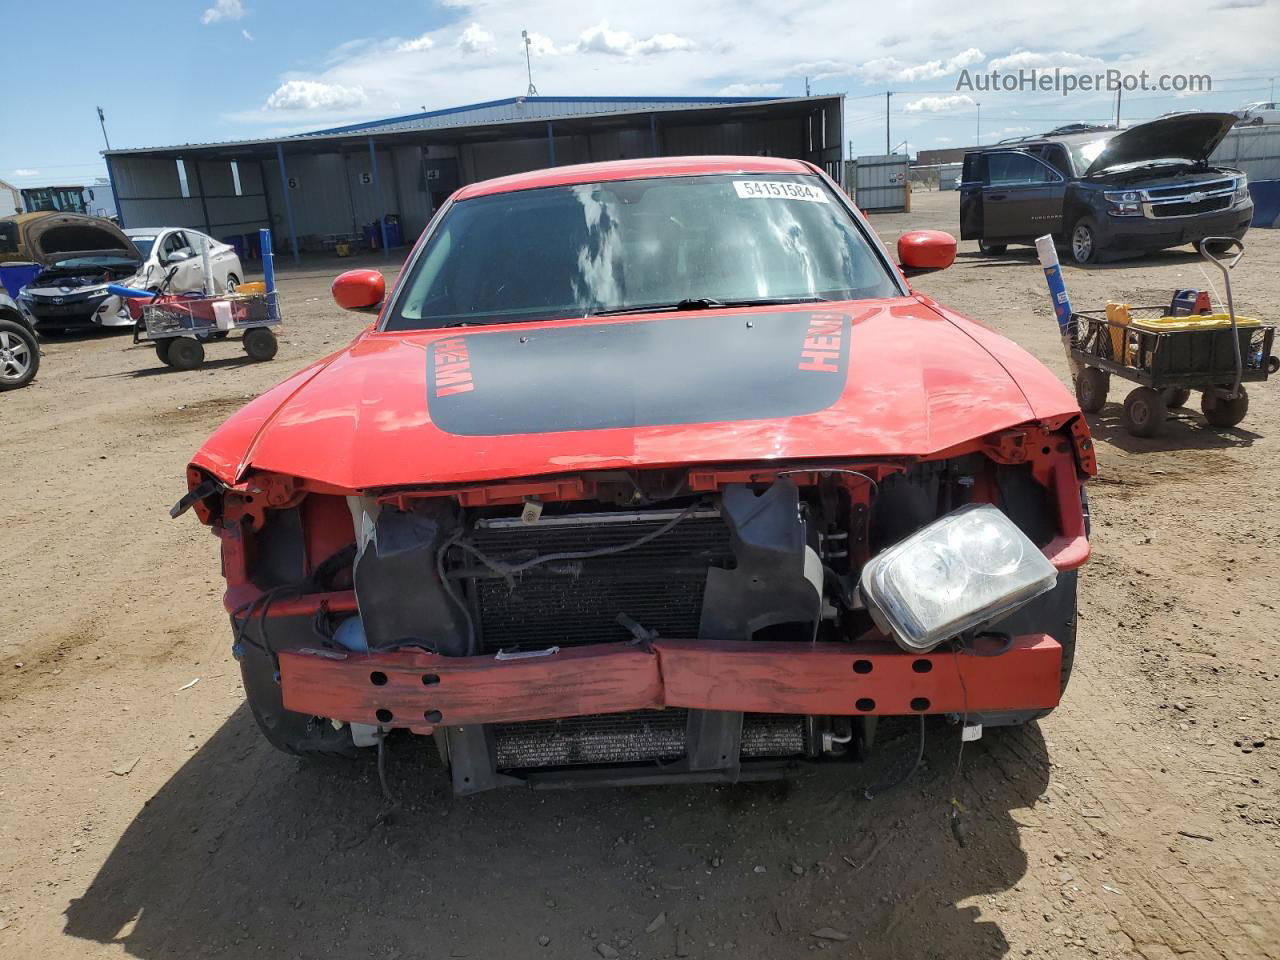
[[1213, 321], [1118, 317], [250, 289], [342, 249]]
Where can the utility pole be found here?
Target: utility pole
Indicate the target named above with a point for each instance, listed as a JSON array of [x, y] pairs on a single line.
[[977, 133], [887, 95], [528, 64], [102, 119], [806, 86], [1119, 91]]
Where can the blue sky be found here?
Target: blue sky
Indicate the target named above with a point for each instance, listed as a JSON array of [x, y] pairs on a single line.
[[199, 70]]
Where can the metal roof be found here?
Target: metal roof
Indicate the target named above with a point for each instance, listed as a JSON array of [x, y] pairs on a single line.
[[490, 117], [530, 108]]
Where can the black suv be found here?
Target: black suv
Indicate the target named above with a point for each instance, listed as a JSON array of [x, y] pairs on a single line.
[[1105, 192]]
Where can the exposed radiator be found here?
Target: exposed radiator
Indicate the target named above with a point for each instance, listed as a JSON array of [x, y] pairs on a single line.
[[641, 735], [658, 584]]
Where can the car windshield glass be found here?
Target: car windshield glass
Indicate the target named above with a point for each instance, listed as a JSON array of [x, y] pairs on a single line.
[[664, 243], [143, 244], [1085, 153]]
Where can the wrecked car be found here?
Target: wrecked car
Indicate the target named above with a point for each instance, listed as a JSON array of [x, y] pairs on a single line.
[[649, 471], [1106, 193]]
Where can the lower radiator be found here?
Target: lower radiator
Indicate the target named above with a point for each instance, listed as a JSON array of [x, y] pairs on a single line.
[[641, 735]]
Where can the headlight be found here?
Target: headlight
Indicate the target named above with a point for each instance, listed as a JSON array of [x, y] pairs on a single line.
[[1242, 190], [963, 570], [1123, 203]]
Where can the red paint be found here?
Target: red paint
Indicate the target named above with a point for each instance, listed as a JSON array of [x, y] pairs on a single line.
[[823, 679], [639, 169], [918, 382], [927, 249], [359, 289]]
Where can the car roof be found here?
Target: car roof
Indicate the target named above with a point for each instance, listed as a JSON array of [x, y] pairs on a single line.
[[642, 168], [149, 231]]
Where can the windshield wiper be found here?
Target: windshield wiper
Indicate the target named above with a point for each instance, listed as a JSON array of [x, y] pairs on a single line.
[[704, 303]]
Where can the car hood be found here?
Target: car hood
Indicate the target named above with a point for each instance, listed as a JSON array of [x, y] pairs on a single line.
[[1184, 136], [47, 238], [864, 378]]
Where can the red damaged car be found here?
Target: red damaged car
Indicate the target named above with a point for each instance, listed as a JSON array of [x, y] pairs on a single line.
[[650, 471]]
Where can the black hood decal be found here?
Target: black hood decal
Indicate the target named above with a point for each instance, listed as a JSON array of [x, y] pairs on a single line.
[[680, 368]]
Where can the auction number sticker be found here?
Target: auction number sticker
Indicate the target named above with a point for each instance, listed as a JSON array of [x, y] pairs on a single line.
[[779, 190]]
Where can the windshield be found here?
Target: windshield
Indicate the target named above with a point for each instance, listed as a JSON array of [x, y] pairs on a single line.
[[86, 263], [1083, 154], [143, 244], [669, 242]]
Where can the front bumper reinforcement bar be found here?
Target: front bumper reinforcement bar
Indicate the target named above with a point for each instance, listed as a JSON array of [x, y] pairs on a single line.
[[420, 691]]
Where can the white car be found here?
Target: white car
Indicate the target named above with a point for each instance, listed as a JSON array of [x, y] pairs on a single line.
[[167, 247], [1264, 111], [83, 255]]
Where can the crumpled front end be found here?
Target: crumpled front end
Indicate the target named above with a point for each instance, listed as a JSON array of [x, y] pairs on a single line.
[[700, 623]]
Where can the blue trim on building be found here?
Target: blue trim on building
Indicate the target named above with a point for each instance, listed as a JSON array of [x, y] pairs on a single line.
[[507, 101]]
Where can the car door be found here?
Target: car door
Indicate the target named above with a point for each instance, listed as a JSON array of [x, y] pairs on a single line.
[[1021, 196], [190, 271], [971, 176]]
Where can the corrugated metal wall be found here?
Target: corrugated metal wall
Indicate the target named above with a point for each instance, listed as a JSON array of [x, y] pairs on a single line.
[[1255, 150], [334, 194], [881, 182]]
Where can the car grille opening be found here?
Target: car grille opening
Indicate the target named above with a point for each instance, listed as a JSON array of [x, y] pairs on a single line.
[[658, 584]]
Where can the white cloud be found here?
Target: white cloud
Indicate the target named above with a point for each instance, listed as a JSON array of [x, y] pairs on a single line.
[[749, 89], [417, 44], [938, 104], [942, 140], [313, 95], [223, 10], [891, 68], [619, 43], [540, 45], [247, 35], [26, 172], [475, 39], [821, 69], [1009, 131], [1028, 59]]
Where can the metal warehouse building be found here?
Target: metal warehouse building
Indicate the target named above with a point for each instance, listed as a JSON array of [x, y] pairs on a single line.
[[383, 179]]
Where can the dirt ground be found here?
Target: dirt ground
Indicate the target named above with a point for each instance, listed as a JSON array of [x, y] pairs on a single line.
[[142, 815]]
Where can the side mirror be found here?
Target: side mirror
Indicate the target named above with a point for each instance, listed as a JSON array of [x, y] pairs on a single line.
[[921, 251], [178, 256], [361, 290]]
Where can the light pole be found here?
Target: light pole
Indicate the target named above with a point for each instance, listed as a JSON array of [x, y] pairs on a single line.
[[102, 119], [528, 64], [977, 132]]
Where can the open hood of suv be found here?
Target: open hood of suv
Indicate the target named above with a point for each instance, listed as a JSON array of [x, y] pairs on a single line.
[[1184, 136], [47, 238]]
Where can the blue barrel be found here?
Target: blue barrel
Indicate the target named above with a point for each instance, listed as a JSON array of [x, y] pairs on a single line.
[[15, 276], [395, 234]]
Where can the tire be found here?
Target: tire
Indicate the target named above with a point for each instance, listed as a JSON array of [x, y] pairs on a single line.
[[992, 249], [1224, 413], [19, 355], [1084, 241], [232, 282], [162, 351], [1091, 389], [260, 344], [184, 353], [1144, 412], [1175, 397]]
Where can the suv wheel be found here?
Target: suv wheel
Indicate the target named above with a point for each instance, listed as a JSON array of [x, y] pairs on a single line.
[[992, 249], [19, 355], [1084, 241]]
